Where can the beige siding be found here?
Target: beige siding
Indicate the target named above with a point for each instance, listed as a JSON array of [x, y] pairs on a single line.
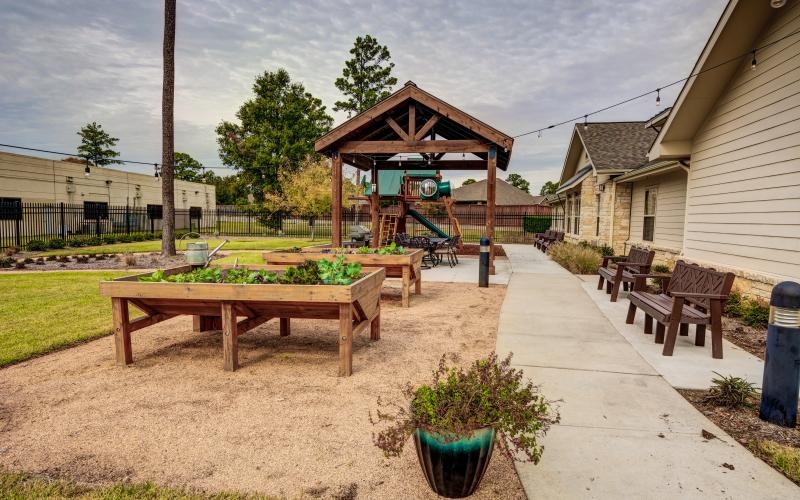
[[670, 209], [40, 180], [743, 206]]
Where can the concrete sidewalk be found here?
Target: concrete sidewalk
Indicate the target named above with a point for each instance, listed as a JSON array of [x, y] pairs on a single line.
[[625, 432]]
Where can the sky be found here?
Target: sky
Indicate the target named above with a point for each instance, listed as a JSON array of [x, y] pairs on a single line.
[[517, 65]]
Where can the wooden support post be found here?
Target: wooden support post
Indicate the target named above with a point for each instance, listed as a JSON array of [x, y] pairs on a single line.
[[412, 120], [418, 280], [336, 202], [406, 285], [375, 327], [374, 209], [203, 323], [230, 342], [122, 333], [285, 327], [491, 198], [345, 340]]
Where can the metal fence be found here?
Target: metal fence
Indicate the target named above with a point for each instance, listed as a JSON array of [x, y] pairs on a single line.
[[23, 222]]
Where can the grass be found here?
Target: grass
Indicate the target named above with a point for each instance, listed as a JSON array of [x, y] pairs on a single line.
[[245, 258], [155, 246], [22, 486], [45, 311], [784, 458], [576, 259]]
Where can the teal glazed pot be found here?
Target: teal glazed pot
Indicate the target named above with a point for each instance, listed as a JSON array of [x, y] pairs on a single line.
[[454, 469]]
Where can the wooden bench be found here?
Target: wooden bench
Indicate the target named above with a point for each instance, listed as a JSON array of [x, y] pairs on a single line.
[[557, 237], [694, 295], [540, 238], [638, 261]]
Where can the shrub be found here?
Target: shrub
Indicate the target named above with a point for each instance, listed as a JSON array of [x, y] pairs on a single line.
[[82, 259], [460, 401], [603, 250], [50, 258], [734, 305], [125, 238], [575, 258], [36, 245], [536, 223], [129, 259], [20, 264], [40, 261], [56, 243], [93, 241], [28, 260], [77, 242], [63, 258], [660, 268], [6, 262], [109, 239], [731, 392], [755, 313]]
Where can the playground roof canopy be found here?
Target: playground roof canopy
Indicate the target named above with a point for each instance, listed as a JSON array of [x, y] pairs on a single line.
[[412, 120]]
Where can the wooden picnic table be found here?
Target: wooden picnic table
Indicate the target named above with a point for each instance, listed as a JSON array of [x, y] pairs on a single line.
[[407, 267], [217, 306]]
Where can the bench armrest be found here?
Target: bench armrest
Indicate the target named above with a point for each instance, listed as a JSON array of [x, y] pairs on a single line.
[[612, 258], [640, 279], [693, 295]]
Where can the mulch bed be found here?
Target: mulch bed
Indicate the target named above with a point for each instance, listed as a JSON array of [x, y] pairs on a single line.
[[113, 261], [743, 423], [473, 249], [751, 339]]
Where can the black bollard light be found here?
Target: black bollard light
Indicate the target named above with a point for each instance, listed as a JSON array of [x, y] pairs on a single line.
[[782, 360], [483, 266]]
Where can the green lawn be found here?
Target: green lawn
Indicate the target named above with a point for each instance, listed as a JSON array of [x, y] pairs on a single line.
[[22, 486], [247, 257], [155, 246], [40, 312]]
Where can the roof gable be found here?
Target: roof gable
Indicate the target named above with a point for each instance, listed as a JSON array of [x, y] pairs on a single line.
[[616, 146], [449, 122], [506, 194]]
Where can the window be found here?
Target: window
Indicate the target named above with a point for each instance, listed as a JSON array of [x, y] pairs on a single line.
[[95, 210], [569, 214], [576, 214], [597, 215], [10, 208], [649, 226], [155, 212]]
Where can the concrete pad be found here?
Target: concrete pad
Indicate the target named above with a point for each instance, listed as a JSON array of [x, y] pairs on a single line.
[[466, 271], [569, 352], [616, 400], [690, 366], [591, 462], [544, 323]]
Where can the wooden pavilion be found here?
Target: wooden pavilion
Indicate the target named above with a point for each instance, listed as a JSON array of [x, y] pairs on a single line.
[[374, 139]]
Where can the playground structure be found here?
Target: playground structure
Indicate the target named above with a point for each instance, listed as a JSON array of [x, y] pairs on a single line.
[[402, 192], [436, 132]]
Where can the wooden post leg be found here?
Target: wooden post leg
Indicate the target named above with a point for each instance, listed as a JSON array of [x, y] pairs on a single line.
[[230, 342], [345, 340], [684, 330], [285, 327], [631, 314], [659, 332], [600, 283], [197, 323], [674, 324], [648, 324], [700, 335], [418, 280], [716, 329], [375, 327], [122, 333], [202, 323], [406, 285]]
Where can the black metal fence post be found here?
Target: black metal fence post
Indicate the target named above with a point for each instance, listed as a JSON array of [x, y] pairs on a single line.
[[62, 222]]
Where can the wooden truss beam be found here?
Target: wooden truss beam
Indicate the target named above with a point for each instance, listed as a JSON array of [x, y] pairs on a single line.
[[426, 128], [394, 147], [437, 164], [397, 128]]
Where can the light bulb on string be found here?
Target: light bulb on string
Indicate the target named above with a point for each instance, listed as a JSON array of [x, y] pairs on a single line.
[[87, 171], [753, 63], [658, 97], [585, 122]]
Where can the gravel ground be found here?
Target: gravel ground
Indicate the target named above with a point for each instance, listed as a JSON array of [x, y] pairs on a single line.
[[283, 424]]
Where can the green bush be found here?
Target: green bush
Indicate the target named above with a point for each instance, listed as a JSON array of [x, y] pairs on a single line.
[[7, 261], [731, 392], [94, 241], [125, 238], [604, 250], [36, 246], [77, 242], [660, 268], [109, 239], [56, 243], [756, 314], [536, 223], [577, 259], [734, 305]]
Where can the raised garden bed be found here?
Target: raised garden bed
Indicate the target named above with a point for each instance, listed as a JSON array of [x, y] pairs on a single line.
[[405, 266], [217, 306]]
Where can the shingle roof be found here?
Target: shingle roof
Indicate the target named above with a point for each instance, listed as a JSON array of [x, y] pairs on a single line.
[[617, 145], [506, 194]]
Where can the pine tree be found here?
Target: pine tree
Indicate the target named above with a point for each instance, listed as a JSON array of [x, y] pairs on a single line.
[[367, 77], [96, 145]]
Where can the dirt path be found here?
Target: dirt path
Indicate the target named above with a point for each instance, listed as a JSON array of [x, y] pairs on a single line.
[[283, 424]]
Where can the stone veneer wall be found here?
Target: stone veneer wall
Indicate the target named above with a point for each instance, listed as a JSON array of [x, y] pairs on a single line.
[[622, 216]]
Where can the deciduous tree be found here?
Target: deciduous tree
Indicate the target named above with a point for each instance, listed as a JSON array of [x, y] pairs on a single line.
[[519, 182], [275, 132], [549, 187]]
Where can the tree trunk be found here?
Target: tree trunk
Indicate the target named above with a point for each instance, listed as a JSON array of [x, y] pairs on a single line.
[[167, 132]]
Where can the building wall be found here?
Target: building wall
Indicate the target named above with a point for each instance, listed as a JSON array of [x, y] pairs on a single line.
[[670, 214], [743, 208], [621, 224], [38, 180]]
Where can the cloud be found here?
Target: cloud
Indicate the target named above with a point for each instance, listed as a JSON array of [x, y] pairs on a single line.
[[518, 65]]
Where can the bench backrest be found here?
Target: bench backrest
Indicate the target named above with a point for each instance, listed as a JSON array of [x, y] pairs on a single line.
[[693, 278], [642, 256], [559, 235]]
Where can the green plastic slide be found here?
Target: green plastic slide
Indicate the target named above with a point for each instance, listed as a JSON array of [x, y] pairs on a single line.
[[427, 223]]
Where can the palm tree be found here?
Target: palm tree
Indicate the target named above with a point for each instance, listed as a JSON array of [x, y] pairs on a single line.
[[167, 132]]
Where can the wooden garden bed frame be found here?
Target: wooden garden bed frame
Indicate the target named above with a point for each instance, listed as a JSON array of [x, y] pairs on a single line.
[[218, 306], [407, 267]]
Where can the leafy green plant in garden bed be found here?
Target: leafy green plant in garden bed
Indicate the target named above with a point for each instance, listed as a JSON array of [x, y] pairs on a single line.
[[391, 249], [323, 272]]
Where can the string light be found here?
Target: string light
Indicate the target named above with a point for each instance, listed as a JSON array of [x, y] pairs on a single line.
[[585, 122], [658, 97], [155, 168], [87, 170], [753, 63]]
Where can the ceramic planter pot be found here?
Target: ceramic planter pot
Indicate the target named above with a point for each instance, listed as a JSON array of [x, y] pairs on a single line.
[[454, 469]]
